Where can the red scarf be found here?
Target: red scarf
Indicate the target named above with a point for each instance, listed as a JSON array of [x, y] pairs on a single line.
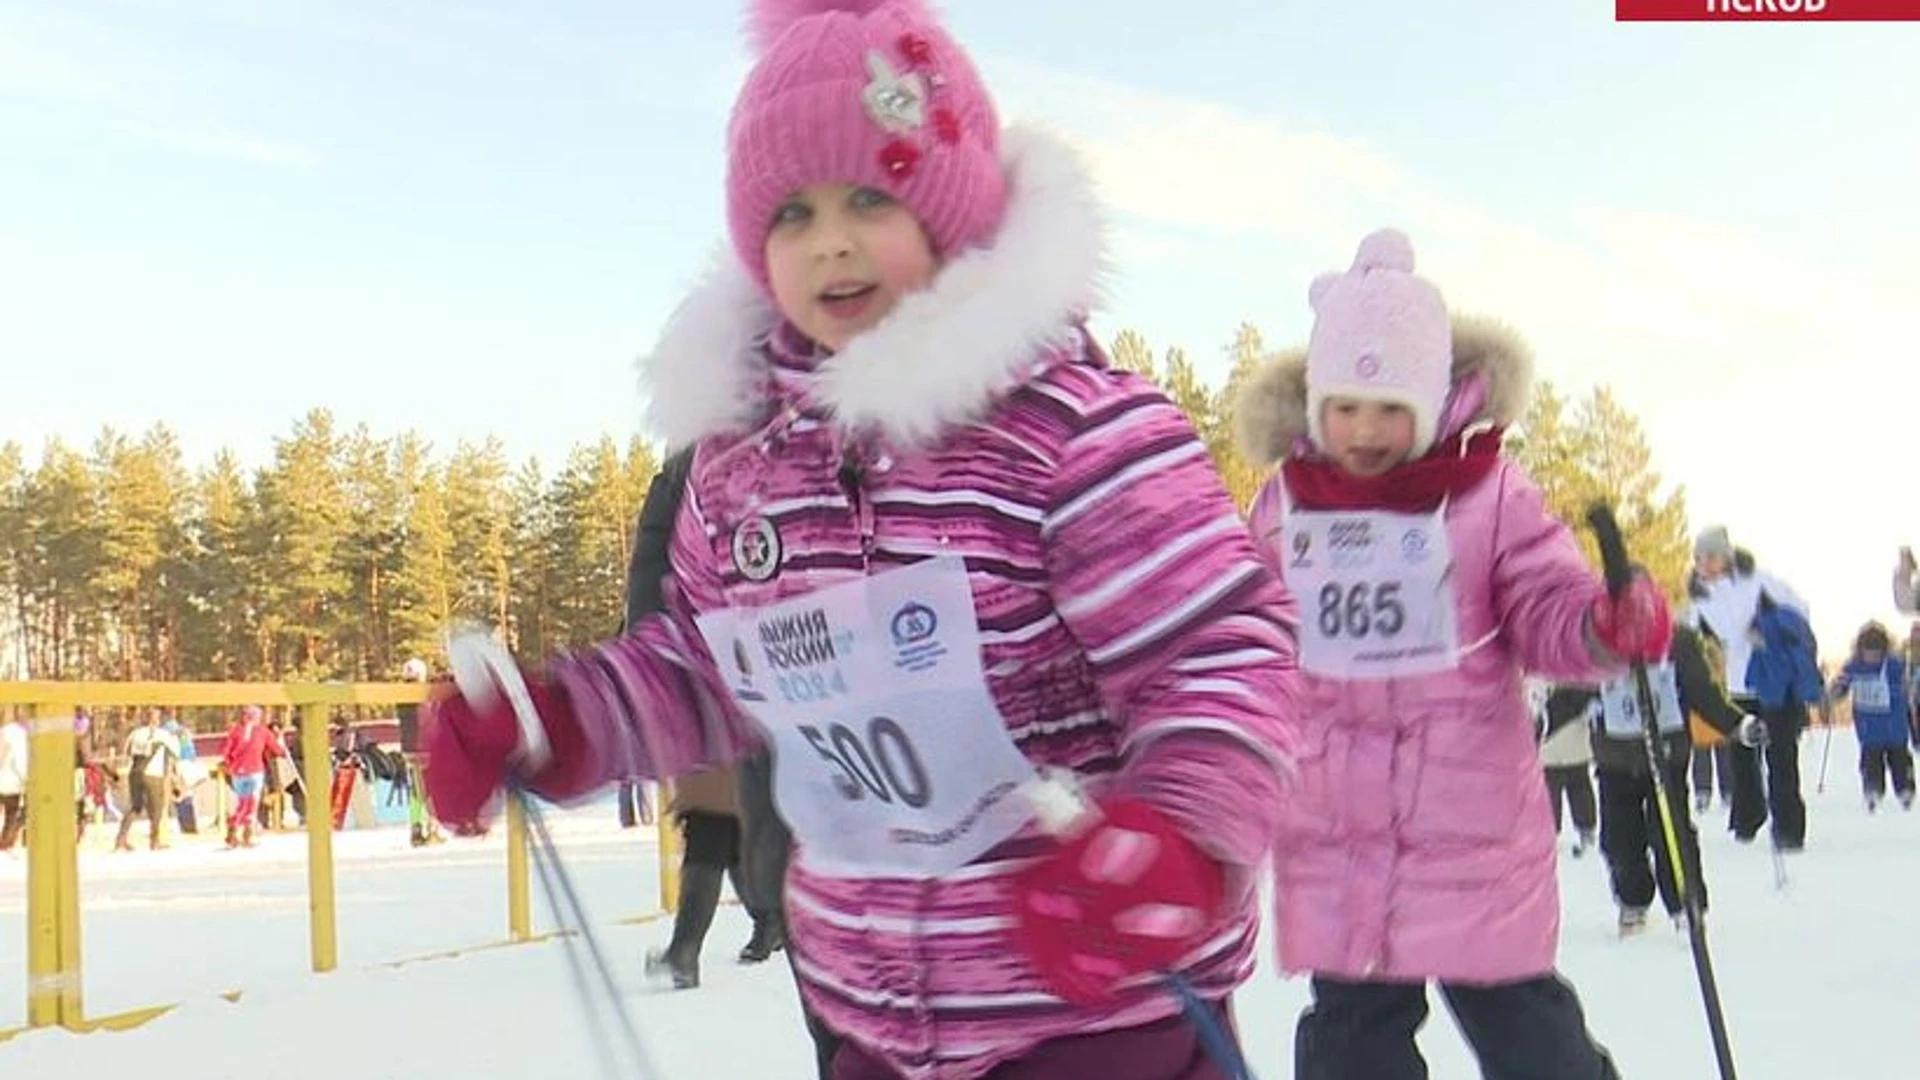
[[1415, 487]]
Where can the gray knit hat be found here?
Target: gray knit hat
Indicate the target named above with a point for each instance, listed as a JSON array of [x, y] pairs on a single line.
[[1713, 541]]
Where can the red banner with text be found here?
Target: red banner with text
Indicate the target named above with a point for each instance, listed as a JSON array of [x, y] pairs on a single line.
[[1766, 10]]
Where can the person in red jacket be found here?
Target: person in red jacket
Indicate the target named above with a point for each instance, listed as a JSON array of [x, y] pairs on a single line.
[[244, 754]]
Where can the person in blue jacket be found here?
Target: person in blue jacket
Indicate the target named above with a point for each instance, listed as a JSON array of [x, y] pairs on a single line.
[[1771, 672], [1877, 681]]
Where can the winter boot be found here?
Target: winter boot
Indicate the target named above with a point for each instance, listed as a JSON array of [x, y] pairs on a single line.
[[1702, 802], [1632, 920], [769, 937], [233, 832], [1906, 799], [1584, 843], [699, 896], [1873, 801]]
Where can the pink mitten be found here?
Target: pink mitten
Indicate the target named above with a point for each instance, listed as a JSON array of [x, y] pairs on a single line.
[[473, 734], [1127, 894], [1637, 625]]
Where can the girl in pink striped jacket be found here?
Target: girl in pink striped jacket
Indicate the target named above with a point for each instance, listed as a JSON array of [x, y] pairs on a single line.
[[932, 544]]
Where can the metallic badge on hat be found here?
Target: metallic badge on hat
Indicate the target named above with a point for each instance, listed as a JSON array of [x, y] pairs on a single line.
[[898, 103], [1368, 366], [756, 549]]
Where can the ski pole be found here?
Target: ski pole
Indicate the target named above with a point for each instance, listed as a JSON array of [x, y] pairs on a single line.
[[1213, 1037], [1826, 749], [483, 669], [565, 900], [1619, 574]]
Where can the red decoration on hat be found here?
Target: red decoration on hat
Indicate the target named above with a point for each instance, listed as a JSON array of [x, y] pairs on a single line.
[[916, 49], [946, 125], [899, 157]]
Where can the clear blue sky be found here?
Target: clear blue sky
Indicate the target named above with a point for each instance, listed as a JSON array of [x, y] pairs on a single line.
[[469, 217]]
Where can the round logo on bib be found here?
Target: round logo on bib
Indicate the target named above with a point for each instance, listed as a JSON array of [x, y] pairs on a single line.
[[756, 549], [1413, 545]]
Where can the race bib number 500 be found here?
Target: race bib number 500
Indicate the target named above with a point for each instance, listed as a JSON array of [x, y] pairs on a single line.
[[878, 762], [890, 757]]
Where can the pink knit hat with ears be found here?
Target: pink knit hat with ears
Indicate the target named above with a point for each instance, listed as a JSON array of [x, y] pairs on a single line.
[[1380, 333], [872, 93]]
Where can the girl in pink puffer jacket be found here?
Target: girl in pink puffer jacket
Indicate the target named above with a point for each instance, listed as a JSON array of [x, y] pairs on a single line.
[[1419, 845]]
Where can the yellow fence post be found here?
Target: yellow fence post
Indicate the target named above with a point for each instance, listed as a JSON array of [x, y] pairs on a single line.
[[71, 1009], [669, 834], [316, 776], [53, 908], [519, 907]]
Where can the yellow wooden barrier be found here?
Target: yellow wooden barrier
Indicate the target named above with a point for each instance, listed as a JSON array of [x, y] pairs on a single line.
[[519, 907], [53, 925], [53, 886], [316, 777], [670, 845]]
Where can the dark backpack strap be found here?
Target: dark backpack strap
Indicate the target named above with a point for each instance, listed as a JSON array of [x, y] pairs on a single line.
[[653, 537]]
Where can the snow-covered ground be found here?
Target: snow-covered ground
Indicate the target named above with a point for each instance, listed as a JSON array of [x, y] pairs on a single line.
[[1818, 979]]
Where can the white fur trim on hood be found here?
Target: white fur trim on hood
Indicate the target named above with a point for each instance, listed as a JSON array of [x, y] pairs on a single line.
[[939, 359]]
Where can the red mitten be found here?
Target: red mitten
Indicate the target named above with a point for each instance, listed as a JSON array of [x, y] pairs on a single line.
[[1635, 626], [1127, 894], [493, 718]]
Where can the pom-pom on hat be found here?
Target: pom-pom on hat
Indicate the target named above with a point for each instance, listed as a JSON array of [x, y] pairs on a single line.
[[866, 92], [1380, 333]]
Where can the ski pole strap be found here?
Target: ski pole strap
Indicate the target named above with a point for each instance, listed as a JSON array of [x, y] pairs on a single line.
[[1214, 1038]]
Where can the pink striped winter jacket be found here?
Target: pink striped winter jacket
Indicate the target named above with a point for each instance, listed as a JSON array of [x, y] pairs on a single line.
[[1419, 843], [1130, 631]]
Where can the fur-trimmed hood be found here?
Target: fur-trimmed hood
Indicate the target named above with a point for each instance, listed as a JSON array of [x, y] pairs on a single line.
[[1492, 381], [939, 359]]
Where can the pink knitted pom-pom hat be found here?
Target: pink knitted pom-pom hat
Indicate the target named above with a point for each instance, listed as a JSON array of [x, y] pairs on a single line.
[[1380, 333], [872, 93]]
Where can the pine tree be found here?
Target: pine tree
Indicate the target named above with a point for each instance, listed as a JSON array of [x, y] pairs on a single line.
[[13, 540], [303, 519], [65, 555], [424, 586], [1654, 525], [479, 508], [370, 552], [530, 629], [140, 486], [1131, 352], [1600, 454], [217, 635], [1246, 356]]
